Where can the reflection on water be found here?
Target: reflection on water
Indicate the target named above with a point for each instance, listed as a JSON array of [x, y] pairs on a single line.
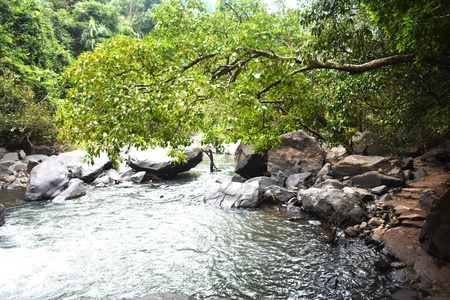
[[129, 242]]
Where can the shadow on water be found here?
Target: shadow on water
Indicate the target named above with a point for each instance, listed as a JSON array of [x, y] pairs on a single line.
[[12, 198]]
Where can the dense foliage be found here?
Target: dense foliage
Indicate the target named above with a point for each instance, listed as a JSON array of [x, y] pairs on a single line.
[[244, 72]]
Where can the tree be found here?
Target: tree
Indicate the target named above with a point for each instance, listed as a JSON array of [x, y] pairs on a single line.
[[242, 72]]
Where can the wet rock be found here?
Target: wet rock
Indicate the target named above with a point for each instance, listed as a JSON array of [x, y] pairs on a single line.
[[156, 161], [367, 143], [343, 206], [279, 194], [357, 164], [300, 180], [235, 195], [2, 215], [75, 190], [379, 190], [249, 164], [77, 166], [47, 180], [298, 153], [372, 179]]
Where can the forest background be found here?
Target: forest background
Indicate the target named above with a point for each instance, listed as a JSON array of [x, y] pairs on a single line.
[[144, 73]]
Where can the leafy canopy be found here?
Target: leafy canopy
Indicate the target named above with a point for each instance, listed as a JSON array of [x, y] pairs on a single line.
[[242, 72]]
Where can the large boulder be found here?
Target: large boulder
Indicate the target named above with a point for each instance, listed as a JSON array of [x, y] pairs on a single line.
[[47, 180], [373, 178], [300, 180], [367, 143], [248, 164], [435, 235], [235, 195], [344, 206], [298, 153], [357, 164], [265, 182], [78, 166], [10, 156], [34, 160], [157, 162], [2, 215], [279, 194]]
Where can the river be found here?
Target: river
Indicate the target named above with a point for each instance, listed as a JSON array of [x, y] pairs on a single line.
[[128, 242]]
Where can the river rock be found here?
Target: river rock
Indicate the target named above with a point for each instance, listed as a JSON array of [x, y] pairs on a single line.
[[18, 166], [279, 194], [357, 164], [47, 180], [78, 167], [372, 179], [300, 180], [324, 173], [248, 164], [229, 179], [343, 206], [265, 182], [408, 163], [5, 172], [235, 195], [34, 160], [2, 152], [75, 189], [330, 183], [22, 155], [297, 153], [367, 143], [379, 190], [2, 215], [157, 162], [10, 156]]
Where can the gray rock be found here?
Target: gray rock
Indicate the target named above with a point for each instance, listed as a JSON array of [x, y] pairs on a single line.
[[102, 180], [362, 194], [420, 173], [22, 155], [34, 160], [10, 156], [436, 156], [298, 153], [372, 179], [15, 185], [279, 194], [47, 180], [351, 232], [385, 197], [408, 163], [427, 200], [345, 207], [357, 164], [138, 177], [324, 173], [379, 190], [19, 166], [396, 172], [300, 180], [331, 183], [335, 154], [5, 172], [114, 175], [229, 179], [2, 213], [235, 195], [248, 164], [367, 143], [75, 190], [78, 167], [156, 162], [408, 175], [265, 182]]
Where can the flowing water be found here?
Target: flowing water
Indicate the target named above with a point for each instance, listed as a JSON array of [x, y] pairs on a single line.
[[128, 242]]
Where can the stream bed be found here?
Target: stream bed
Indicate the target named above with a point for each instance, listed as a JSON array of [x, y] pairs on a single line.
[[120, 242]]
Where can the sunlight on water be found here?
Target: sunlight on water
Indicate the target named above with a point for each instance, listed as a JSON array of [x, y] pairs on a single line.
[[129, 242]]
